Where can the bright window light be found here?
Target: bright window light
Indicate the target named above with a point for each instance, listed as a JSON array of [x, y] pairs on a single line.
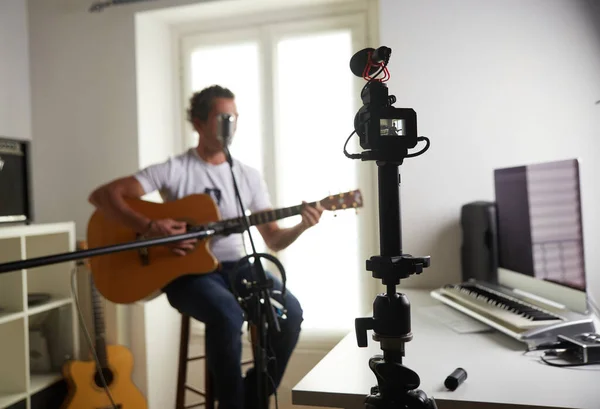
[[312, 111], [315, 113]]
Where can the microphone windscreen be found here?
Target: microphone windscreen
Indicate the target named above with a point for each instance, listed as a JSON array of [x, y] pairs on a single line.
[[359, 61]]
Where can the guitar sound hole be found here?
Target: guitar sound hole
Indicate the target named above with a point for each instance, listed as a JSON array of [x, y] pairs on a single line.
[[108, 377]]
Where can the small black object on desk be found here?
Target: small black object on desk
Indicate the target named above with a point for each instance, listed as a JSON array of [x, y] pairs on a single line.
[[454, 380]]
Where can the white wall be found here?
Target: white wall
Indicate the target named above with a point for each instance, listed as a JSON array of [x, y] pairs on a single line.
[[157, 104], [15, 90], [494, 83], [84, 105]]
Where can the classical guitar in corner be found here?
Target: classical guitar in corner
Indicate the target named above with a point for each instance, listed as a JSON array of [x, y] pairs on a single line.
[[130, 276], [91, 382]]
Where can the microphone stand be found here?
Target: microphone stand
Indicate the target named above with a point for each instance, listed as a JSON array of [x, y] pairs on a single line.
[[98, 251], [263, 315]]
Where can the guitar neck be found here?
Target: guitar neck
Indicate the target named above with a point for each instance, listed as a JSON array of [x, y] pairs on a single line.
[[99, 328], [340, 201], [267, 216]]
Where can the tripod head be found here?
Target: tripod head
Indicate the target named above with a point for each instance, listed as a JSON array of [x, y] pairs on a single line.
[[387, 133]]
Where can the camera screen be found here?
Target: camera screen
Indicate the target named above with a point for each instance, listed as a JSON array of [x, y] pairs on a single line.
[[391, 127]]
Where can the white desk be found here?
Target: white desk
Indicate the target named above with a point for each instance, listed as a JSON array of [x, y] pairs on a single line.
[[499, 375]]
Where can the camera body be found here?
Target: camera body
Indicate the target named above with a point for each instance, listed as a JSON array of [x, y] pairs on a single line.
[[383, 127]]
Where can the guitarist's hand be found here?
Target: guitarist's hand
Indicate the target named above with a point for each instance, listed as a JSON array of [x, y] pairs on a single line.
[[310, 215], [169, 227]]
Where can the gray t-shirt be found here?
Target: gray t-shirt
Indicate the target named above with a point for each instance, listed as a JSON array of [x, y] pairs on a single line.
[[188, 173]]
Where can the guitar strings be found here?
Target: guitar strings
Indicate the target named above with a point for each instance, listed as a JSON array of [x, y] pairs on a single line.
[[89, 339]]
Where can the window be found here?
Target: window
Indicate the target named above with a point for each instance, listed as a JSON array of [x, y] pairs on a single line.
[[297, 99]]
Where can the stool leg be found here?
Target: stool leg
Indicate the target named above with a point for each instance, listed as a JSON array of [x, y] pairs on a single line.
[[208, 388], [183, 358]]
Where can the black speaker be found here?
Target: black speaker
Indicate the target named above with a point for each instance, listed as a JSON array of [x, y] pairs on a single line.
[[479, 251], [15, 182]]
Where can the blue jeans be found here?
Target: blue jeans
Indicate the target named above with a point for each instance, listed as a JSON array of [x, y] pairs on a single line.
[[209, 299]]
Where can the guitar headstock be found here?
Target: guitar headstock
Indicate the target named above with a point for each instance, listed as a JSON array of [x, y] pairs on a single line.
[[340, 201]]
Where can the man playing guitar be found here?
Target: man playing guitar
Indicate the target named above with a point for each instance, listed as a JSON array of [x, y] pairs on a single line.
[[208, 297]]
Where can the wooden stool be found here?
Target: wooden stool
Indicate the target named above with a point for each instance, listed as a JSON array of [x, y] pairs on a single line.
[[207, 393]]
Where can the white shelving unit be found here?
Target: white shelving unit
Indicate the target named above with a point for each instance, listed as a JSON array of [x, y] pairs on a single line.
[[55, 318]]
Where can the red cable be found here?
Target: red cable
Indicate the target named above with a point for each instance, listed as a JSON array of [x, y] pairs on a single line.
[[387, 74], [369, 65]]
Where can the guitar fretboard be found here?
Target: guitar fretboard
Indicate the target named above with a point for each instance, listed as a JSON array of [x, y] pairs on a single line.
[[272, 215], [99, 329], [267, 216]]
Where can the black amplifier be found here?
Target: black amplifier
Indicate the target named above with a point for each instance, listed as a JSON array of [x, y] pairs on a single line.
[[15, 181]]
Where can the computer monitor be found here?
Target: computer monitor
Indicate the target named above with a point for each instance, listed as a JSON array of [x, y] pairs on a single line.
[[540, 233]]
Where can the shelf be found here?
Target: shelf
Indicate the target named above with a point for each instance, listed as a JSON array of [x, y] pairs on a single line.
[[38, 381], [11, 284], [9, 316], [10, 249], [55, 302], [13, 376], [51, 328], [54, 279], [8, 399], [36, 229], [36, 340]]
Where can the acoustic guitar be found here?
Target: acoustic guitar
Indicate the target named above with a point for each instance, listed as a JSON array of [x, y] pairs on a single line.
[[86, 386], [130, 276]]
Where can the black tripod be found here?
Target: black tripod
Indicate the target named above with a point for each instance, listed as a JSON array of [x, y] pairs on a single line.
[[397, 384], [387, 133]]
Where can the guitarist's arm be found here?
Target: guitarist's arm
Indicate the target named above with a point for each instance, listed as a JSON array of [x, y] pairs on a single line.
[[111, 200], [278, 239]]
